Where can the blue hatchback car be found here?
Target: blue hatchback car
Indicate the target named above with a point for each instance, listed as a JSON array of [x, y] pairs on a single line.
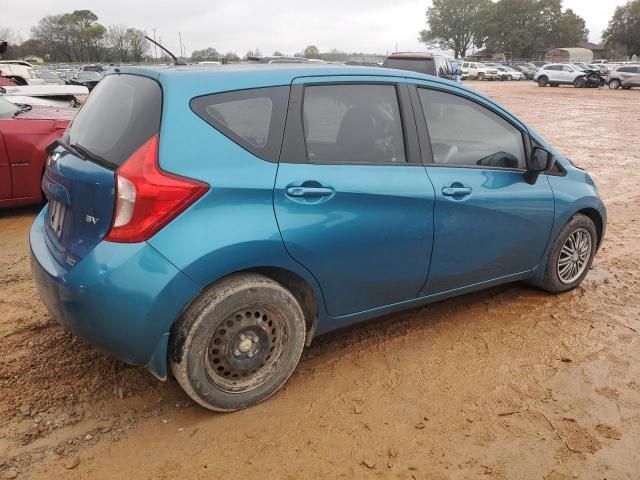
[[213, 221]]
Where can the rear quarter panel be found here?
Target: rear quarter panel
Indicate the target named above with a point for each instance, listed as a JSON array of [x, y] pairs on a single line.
[[232, 227]]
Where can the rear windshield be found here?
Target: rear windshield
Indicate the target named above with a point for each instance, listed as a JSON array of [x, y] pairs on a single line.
[[420, 66], [122, 112]]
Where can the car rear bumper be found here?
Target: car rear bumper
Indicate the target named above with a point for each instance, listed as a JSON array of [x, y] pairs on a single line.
[[122, 298]]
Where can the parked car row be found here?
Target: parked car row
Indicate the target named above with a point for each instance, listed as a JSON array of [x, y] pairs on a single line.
[[588, 75], [86, 76]]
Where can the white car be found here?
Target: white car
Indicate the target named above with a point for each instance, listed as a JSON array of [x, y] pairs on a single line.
[[510, 73], [473, 70], [556, 74], [21, 72]]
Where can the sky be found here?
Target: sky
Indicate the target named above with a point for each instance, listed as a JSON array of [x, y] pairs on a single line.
[[372, 26]]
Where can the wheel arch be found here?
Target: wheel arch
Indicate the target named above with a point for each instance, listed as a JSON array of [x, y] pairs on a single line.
[[303, 287], [597, 220], [299, 288]]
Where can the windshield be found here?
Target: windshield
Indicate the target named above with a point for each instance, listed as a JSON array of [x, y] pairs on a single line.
[[7, 109]]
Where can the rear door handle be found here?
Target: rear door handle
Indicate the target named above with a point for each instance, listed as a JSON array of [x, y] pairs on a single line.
[[309, 192], [456, 191]]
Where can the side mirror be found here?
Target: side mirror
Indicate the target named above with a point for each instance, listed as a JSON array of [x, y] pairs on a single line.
[[541, 160]]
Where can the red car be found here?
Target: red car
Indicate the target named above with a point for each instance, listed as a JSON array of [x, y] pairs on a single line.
[[25, 132]]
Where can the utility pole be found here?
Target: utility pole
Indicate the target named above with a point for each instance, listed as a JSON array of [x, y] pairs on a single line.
[[155, 47], [180, 38]]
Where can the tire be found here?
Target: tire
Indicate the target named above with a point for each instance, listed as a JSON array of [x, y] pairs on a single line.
[[543, 81], [510, 78], [615, 84], [580, 82], [480, 76], [238, 343], [557, 279]]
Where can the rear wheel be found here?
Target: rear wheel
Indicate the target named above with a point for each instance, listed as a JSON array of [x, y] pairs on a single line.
[[580, 82], [571, 255], [238, 343], [543, 81], [480, 76], [614, 84]]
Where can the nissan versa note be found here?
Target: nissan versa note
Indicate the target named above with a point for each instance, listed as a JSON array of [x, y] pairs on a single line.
[[211, 222]]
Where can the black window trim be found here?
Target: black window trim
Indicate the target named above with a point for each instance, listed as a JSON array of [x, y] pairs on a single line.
[[271, 151], [294, 148], [425, 139]]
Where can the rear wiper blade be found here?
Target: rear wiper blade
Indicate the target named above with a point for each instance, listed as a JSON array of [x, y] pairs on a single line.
[[67, 147], [92, 156]]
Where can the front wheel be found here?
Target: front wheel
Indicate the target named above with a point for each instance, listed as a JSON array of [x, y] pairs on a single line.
[[543, 81], [614, 84], [580, 82], [238, 343], [510, 77], [480, 76], [571, 255]]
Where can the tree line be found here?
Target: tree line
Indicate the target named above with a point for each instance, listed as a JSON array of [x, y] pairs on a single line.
[[78, 37], [521, 28]]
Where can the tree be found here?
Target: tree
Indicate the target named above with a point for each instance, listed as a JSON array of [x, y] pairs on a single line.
[[453, 24], [624, 28], [528, 28], [278, 53], [311, 52], [253, 53], [232, 57], [117, 40], [74, 36], [137, 45], [208, 54]]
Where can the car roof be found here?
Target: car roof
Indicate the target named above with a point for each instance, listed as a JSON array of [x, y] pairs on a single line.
[[261, 74], [413, 55]]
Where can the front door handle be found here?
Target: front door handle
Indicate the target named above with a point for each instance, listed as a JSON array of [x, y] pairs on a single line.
[[309, 192], [456, 191]]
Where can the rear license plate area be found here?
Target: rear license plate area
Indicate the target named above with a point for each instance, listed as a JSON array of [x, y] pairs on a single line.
[[57, 212]]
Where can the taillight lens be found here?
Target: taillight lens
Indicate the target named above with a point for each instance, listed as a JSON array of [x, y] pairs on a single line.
[[148, 198]]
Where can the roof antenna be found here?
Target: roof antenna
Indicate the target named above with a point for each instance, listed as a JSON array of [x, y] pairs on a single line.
[[176, 61]]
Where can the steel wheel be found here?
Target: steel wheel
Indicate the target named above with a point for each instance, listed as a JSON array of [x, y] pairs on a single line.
[[574, 256], [614, 84], [246, 349]]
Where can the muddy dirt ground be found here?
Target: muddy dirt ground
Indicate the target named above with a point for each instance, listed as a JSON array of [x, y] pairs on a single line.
[[508, 383]]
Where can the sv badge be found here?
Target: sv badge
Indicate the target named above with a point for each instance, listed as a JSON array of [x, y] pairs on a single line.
[[91, 219]]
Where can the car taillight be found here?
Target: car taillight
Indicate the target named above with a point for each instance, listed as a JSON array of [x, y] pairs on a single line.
[[148, 198]]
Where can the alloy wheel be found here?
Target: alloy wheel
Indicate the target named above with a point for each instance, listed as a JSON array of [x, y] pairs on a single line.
[[574, 256]]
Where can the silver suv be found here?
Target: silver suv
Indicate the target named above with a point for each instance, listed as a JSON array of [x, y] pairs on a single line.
[[556, 74], [626, 76]]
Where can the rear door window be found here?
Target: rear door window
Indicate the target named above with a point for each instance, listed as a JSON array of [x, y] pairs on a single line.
[[254, 119], [122, 113], [353, 124]]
